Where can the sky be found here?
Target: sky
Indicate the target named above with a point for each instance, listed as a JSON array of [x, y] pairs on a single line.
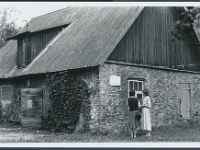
[[28, 10]]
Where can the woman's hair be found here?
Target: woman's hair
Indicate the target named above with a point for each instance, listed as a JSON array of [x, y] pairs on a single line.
[[132, 93], [146, 93]]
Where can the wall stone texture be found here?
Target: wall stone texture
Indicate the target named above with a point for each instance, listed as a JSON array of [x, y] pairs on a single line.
[[164, 92], [90, 76], [108, 103]]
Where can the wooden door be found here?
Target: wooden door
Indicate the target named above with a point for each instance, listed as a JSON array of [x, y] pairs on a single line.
[[31, 107], [185, 100]]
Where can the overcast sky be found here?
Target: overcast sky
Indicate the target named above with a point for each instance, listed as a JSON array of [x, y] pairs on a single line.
[[29, 10]]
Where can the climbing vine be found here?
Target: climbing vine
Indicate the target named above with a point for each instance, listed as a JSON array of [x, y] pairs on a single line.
[[69, 99]]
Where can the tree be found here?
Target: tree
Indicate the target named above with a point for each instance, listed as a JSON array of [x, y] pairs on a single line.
[[189, 19], [8, 27]]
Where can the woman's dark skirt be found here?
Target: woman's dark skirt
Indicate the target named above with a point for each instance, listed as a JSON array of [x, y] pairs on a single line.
[[133, 122]]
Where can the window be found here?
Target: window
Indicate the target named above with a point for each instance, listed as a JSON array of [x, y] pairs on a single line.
[[6, 92], [137, 86]]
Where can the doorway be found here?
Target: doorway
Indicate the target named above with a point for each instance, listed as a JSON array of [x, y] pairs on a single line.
[[185, 103], [31, 107]]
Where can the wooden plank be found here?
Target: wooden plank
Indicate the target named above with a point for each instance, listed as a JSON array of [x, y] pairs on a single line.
[[31, 122], [19, 50], [185, 100], [148, 41], [31, 107], [32, 92], [40, 40]]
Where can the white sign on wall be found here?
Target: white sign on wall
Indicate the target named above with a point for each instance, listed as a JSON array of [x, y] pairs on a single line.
[[115, 80], [29, 103]]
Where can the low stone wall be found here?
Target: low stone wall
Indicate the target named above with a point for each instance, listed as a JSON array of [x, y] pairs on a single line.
[[165, 94]]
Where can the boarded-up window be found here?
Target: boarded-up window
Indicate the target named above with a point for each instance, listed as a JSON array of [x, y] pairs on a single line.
[[23, 56], [6, 92], [31, 107], [137, 86]]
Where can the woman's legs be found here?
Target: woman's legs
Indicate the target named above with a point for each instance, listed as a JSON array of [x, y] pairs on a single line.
[[131, 132], [135, 132]]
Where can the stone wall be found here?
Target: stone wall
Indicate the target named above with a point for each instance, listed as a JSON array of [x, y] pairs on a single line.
[[90, 76], [165, 94]]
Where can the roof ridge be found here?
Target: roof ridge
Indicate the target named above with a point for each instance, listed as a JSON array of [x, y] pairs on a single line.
[[51, 13]]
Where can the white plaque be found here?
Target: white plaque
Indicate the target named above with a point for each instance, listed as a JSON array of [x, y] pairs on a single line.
[[115, 80], [29, 103]]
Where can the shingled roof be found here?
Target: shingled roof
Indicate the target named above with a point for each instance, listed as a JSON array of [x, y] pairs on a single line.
[[90, 38], [8, 58]]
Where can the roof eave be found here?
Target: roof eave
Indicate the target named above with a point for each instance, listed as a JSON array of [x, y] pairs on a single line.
[[29, 32], [18, 35]]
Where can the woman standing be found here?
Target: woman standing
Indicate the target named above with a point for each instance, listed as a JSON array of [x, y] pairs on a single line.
[[146, 116], [133, 122]]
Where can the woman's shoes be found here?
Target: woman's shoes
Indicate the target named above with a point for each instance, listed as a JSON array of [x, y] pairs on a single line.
[[148, 135]]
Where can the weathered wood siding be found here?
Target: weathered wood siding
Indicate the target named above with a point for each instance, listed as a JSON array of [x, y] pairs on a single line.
[[40, 40], [23, 51], [32, 45], [149, 41]]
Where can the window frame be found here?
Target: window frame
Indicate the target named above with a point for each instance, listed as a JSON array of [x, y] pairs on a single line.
[[136, 92], [11, 92]]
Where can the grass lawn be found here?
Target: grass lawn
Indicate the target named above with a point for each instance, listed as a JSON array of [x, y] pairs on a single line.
[[162, 134]]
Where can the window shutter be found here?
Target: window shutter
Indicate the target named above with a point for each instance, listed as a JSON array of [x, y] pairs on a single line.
[[19, 53], [6, 92], [27, 52]]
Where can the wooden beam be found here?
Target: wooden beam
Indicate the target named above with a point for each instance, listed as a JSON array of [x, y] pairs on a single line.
[[148, 66]]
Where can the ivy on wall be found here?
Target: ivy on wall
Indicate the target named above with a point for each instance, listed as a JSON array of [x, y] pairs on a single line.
[[69, 99]]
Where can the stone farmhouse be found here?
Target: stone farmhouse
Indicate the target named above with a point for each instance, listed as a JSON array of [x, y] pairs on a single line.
[[114, 50]]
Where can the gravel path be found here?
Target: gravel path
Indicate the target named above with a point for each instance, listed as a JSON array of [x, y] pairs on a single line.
[[16, 134]]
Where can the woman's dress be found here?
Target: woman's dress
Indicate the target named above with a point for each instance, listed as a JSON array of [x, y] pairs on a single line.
[[133, 122], [146, 116]]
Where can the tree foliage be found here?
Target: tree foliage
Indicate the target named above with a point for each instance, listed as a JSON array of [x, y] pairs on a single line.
[[8, 27], [188, 19]]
